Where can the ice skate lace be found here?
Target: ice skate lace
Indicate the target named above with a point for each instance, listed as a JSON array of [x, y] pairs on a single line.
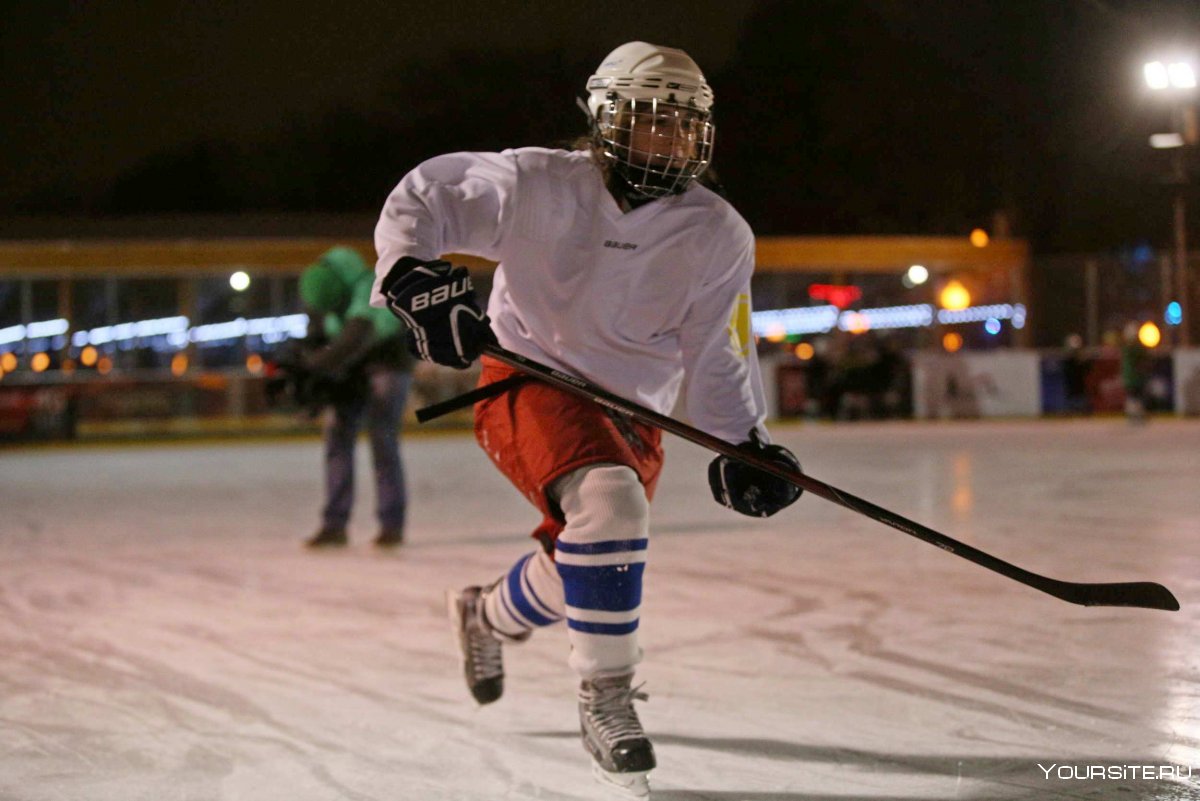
[[486, 658], [611, 711]]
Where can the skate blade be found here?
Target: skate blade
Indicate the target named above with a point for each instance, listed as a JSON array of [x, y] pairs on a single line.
[[630, 785]]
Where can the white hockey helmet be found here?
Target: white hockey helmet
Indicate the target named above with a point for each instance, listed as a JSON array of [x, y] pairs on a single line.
[[663, 91]]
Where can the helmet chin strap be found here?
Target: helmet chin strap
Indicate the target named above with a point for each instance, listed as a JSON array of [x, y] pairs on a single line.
[[627, 196]]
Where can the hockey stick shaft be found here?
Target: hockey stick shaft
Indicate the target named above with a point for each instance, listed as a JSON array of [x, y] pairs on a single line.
[[1140, 594], [435, 410]]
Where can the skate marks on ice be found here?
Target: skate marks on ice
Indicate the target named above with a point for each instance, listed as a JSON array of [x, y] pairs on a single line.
[[1015, 702], [159, 689], [185, 646], [788, 626], [877, 775]]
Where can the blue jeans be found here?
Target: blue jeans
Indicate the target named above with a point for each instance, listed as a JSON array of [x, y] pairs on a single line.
[[381, 408]]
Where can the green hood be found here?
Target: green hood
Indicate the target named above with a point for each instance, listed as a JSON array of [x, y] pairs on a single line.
[[326, 285]]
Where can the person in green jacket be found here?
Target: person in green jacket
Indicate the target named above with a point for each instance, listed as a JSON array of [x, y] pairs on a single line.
[[1135, 374], [359, 349]]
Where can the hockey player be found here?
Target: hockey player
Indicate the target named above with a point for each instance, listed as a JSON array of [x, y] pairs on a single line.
[[617, 265]]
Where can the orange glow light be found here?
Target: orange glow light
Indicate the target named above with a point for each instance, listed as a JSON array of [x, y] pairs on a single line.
[[88, 356], [954, 297], [179, 364], [40, 362], [104, 365], [804, 351], [1149, 335], [979, 238], [8, 362], [952, 342], [254, 363]]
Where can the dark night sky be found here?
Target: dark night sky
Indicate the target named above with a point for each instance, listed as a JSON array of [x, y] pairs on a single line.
[[834, 116]]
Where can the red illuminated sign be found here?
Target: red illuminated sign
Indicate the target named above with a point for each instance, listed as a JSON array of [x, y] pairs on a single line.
[[837, 294]]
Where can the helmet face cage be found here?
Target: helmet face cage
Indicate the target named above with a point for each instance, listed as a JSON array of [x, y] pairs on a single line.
[[658, 147]]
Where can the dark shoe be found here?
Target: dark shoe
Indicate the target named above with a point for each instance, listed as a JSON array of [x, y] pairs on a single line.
[[390, 537], [327, 538]]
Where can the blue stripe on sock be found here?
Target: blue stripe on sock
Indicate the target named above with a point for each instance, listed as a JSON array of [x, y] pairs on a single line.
[[607, 546], [603, 628], [529, 584], [508, 607], [607, 588], [518, 596]]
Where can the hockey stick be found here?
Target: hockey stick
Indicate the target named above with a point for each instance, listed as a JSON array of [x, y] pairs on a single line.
[[427, 413], [1145, 594]]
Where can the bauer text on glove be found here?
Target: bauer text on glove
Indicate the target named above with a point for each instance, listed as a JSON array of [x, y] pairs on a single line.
[[437, 302]]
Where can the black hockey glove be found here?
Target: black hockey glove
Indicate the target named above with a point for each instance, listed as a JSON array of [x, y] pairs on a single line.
[[749, 490], [289, 384], [292, 382], [437, 303], [283, 373]]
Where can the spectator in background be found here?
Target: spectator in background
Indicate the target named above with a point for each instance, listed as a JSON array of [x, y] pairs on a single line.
[[892, 382], [361, 349], [858, 379], [1135, 372], [817, 375], [1075, 369]]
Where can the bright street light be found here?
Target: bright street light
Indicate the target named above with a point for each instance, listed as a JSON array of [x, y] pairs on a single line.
[[917, 274], [1156, 75], [1176, 75], [1182, 76]]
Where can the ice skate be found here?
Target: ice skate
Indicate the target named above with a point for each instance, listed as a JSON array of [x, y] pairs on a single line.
[[479, 644], [613, 735]]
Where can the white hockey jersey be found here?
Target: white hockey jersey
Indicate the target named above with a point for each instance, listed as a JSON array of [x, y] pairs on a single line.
[[636, 302]]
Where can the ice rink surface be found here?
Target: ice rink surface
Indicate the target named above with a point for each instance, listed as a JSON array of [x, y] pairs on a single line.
[[164, 635]]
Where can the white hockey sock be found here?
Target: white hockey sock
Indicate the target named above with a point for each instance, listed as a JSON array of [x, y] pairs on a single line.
[[600, 556], [530, 595]]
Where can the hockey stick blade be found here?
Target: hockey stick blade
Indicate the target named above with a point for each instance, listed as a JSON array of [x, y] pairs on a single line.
[[1143, 594]]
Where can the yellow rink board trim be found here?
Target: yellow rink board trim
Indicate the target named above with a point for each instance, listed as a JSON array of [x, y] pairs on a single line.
[[195, 257]]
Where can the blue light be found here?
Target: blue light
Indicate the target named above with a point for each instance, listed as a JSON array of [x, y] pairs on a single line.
[[992, 326], [1174, 315]]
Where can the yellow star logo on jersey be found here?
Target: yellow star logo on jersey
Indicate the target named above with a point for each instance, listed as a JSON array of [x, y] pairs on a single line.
[[740, 335]]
